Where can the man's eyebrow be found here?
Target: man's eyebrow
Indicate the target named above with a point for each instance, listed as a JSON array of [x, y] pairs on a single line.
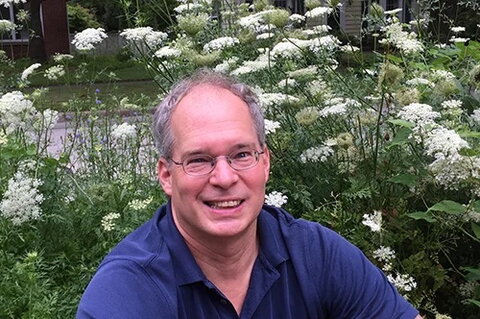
[[243, 145], [231, 149]]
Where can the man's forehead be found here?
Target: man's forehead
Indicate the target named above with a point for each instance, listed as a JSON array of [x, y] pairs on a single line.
[[206, 91]]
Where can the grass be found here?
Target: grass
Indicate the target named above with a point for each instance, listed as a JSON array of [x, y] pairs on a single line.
[[89, 79], [69, 98], [92, 69]]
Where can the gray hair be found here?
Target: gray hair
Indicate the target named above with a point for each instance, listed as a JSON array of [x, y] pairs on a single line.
[[162, 130]]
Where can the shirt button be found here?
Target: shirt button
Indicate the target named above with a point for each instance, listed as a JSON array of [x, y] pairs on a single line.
[[223, 301]]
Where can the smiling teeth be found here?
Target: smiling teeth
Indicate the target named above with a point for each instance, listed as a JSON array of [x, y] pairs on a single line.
[[224, 204]]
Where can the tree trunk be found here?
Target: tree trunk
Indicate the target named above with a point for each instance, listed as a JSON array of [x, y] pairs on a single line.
[[36, 46]]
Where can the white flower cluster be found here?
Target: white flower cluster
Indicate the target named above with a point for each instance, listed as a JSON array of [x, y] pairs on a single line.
[[450, 168], [457, 29], [167, 52], [318, 12], [476, 116], [254, 21], [316, 154], [88, 38], [138, 204], [349, 48], [250, 66], [55, 72], [220, 44], [337, 106], [444, 144], [28, 71], [290, 48], [226, 65], [276, 199], [419, 81], [152, 38], [373, 221], [271, 126], [326, 43], [393, 11], [403, 282], [296, 18], [6, 26], [438, 75], [21, 201], [108, 221], [404, 41], [452, 104], [322, 28], [123, 131], [58, 57], [268, 99], [265, 28], [3, 138], [16, 112], [450, 174], [187, 7], [287, 83], [7, 3], [455, 39], [265, 36], [304, 72], [419, 114], [385, 255]]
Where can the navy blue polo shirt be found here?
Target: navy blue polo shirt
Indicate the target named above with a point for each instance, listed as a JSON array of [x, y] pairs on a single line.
[[303, 270]]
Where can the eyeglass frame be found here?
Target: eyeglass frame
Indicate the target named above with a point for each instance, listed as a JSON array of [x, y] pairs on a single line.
[[227, 158]]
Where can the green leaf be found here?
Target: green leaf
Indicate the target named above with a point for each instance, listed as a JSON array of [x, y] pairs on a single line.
[[393, 58], [476, 229], [468, 152], [401, 137], [470, 103], [473, 273], [475, 302], [476, 205], [448, 206], [404, 179], [402, 123], [422, 215], [469, 134], [441, 61]]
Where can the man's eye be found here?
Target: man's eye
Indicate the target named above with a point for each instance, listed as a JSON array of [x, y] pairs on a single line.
[[198, 160], [242, 155]]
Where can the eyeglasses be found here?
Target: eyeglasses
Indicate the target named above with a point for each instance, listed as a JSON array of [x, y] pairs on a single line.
[[202, 164]]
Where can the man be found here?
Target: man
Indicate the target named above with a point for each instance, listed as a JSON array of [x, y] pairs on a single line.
[[213, 251]]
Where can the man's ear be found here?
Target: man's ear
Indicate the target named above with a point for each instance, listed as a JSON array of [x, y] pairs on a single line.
[[164, 176], [266, 161]]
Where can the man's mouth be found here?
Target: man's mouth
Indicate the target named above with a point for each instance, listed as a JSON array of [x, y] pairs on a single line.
[[224, 204]]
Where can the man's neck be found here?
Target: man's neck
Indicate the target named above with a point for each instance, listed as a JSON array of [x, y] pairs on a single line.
[[227, 262]]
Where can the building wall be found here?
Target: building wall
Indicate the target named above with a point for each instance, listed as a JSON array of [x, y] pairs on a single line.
[[54, 30], [351, 16], [55, 26]]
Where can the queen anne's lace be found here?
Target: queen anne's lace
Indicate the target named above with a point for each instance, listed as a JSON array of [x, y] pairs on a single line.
[[21, 202], [88, 38], [276, 199]]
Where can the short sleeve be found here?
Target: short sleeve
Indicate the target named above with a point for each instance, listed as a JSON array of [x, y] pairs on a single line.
[[355, 288], [122, 289]]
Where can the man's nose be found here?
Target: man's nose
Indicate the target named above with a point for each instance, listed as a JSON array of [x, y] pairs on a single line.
[[223, 175]]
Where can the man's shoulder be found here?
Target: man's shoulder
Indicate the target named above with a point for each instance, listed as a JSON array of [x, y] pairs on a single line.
[[140, 263], [298, 227], [142, 245]]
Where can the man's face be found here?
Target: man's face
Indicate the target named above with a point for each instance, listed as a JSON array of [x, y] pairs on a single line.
[[225, 203]]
